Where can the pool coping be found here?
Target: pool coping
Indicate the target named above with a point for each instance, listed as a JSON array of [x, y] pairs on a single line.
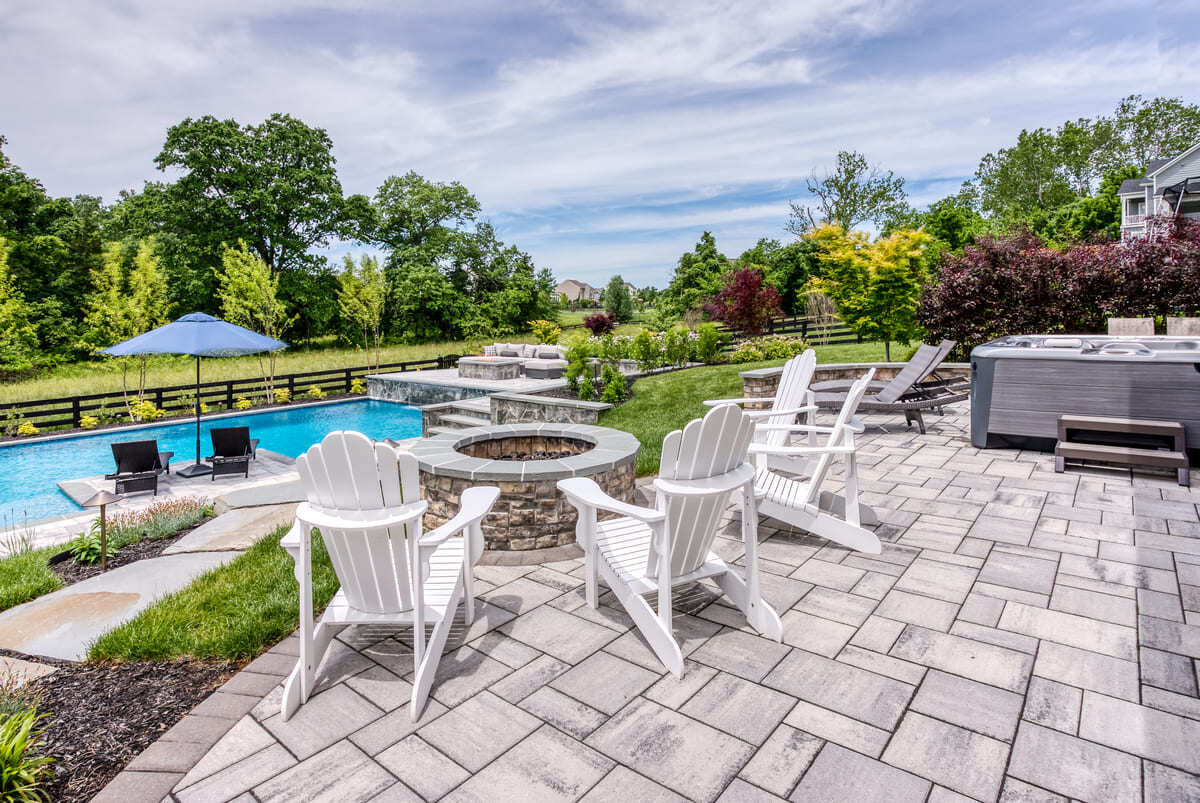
[[187, 420]]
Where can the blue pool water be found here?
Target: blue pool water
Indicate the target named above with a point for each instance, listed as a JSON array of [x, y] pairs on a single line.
[[29, 471]]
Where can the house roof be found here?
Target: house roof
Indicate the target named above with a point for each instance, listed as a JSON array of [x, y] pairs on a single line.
[[1159, 165], [1131, 185]]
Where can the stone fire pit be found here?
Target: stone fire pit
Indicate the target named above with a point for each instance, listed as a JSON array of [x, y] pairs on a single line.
[[524, 461]]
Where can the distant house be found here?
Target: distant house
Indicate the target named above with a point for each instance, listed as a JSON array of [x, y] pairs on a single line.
[[576, 290], [1170, 186]]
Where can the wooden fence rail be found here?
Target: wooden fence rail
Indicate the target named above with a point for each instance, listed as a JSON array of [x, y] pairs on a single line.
[[68, 410]]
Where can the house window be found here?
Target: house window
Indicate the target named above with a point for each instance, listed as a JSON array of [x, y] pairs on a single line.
[[1190, 207], [1136, 206]]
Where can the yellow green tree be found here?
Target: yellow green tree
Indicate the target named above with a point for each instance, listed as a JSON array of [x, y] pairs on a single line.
[[362, 293], [249, 295], [148, 300], [875, 285]]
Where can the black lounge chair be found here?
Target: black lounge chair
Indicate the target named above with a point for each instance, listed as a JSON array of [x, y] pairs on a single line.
[[916, 388], [138, 465], [233, 449]]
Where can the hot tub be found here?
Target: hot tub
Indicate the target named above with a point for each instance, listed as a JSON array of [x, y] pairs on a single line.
[[1021, 384]]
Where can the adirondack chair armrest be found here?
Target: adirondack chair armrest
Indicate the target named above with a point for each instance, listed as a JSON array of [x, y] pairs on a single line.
[[474, 504], [739, 400], [797, 451], [808, 408], [792, 428], [722, 483], [581, 491], [291, 539], [359, 519]]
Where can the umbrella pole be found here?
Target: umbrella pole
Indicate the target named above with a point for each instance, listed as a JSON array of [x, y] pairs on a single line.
[[197, 468]]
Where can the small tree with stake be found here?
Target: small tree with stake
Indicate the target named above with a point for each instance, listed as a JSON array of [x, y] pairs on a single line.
[[746, 302]]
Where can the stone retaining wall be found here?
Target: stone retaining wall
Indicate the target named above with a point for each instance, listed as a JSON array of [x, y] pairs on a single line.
[[522, 408]]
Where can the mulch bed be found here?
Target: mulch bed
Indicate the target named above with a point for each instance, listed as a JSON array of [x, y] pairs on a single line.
[[102, 715], [72, 572]]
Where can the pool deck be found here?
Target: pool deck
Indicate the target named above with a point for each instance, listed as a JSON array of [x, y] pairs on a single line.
[[1024, 636], [270, 476]]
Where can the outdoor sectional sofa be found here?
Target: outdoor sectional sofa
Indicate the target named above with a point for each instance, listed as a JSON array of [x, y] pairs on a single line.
[[538, 361]]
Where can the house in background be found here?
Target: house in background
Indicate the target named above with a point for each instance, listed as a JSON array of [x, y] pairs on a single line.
[[576, 290], [1170, 186]]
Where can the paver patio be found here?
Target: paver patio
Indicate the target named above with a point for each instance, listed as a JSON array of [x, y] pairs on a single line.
[[1024, 636]]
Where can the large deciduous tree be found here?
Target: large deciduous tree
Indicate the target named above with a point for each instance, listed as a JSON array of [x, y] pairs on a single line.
[[853, 193], [273, 185]]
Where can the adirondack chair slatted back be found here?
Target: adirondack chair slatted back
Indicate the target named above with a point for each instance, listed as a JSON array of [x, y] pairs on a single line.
[[708, 447], [347, 473], [839, 433], [919, 365], [793, 387]]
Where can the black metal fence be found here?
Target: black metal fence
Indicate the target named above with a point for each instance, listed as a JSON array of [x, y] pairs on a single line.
[[67, 411]]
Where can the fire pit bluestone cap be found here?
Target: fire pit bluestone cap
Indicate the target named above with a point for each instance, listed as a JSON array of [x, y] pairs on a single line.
[[440, 455]]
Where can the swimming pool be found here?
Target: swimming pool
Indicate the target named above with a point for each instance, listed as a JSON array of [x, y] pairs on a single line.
[[29, 472]]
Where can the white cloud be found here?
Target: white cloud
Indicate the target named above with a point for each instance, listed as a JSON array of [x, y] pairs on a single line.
[[596, 136]]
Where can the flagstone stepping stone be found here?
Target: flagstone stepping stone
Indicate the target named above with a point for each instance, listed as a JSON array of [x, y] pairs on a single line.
[[62, 624]]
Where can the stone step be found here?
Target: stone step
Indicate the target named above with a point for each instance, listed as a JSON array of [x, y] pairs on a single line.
[[480, 406], [441, 430], [464, 421]]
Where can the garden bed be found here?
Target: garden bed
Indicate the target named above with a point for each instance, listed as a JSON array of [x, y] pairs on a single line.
[[72, 572], [100, 716]]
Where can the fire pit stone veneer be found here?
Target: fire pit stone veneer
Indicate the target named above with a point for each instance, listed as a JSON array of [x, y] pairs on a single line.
[[530, 513]]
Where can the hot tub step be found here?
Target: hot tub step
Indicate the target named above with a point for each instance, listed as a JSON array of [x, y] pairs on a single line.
[[1075, 426]]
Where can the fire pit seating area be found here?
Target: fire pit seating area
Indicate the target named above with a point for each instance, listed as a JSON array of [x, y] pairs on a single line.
[[537, 361], [524, 461]]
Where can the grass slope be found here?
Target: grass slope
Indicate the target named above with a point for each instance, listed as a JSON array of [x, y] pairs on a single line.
[[668, 401], [27, 575], [234, 611]]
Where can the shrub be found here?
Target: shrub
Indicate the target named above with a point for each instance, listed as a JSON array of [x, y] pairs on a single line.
[[27, 428], [662, 319], [587, 387], [315, 392], [600, 324], [647, 350], [89, 422], [678, 347], [145, 411], [1016, 285], [546, 332], [615, 388], [613, 349], [708, 343], [747, 351], [282, 395], [22, 770], [242, 404], [358, 386], [85, 547], [746, 302], [578, 352]]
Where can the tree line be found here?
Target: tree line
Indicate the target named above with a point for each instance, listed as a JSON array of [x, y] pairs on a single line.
[[80, 274], [1053, 189]]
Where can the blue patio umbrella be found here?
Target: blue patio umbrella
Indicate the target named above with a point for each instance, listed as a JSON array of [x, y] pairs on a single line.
[[198, 335]]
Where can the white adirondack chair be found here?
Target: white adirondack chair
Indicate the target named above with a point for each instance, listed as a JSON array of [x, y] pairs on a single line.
[[702, 466], [365, 500], [801, 502], [792, 397]]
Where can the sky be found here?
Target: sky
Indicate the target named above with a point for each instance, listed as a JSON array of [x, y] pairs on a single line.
[[601, 138]]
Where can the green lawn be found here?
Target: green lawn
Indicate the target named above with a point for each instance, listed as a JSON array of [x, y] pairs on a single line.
[[668, 401], [27, 575], [234, 611]]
